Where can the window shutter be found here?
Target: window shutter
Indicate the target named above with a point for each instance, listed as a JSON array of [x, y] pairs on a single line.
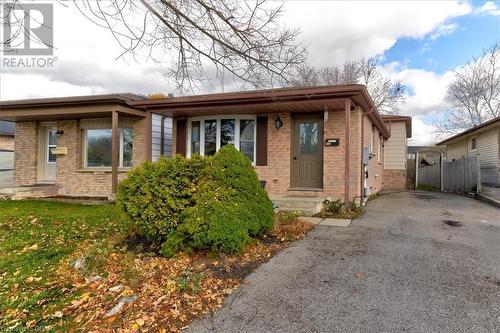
[[181, 137], [261, 158]]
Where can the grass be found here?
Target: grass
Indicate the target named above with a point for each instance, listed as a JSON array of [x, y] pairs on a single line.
[[40, 291], [425, 187], [35, 237]]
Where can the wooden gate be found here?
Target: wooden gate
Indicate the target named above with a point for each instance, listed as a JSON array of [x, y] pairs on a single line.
[[462, 175]]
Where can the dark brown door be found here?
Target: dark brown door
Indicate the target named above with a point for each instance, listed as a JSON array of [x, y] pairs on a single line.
[[307, 152]]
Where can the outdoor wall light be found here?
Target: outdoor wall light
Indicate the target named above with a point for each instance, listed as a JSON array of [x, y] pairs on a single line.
[[60, 132], [278, 122]]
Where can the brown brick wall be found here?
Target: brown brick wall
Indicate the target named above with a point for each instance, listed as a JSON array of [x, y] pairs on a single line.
[[26, 153], [72, 178], [7, 142], [394, 179], [277, 170]]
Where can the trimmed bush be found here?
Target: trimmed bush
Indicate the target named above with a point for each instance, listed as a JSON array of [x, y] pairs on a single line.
[[155, 195], [230, 207]]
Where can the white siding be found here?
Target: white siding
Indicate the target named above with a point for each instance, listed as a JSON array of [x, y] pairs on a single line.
[[488, 149], [395, 147], [456, 150], [156, 136]]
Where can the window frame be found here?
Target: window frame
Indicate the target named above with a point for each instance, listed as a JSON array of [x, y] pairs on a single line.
[[120, 149], [471, 139], [237, 118]]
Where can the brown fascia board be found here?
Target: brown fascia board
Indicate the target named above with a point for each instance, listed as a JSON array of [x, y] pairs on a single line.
[[470, 130], [395, 118], [65, 101], [268, 96]]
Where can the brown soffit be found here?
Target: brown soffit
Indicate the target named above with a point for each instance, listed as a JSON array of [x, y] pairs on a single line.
[[282, 96], [396, 118], [470, 130]]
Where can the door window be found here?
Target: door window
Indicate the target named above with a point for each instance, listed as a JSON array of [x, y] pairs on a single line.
[[51, 143], [309, 137]]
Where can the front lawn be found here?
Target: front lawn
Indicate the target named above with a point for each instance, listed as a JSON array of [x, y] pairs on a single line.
[[35, 236], [71, 267]]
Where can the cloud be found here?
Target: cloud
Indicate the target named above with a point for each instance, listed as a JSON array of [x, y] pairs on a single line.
[[423, 133], [335, 32], [426, 89], [444, 30], [339, 31], [489, 8]]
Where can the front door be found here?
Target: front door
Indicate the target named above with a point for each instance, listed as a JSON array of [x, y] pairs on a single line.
[[307, 152], [47, 165]]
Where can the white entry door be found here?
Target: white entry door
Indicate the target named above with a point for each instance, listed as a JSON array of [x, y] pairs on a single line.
[[47, 171]]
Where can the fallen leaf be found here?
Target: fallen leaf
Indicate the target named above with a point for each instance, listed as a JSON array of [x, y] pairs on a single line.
[[58, 314]]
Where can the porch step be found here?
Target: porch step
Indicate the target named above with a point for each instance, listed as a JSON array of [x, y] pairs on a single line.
[[29, 192], [306, 205]]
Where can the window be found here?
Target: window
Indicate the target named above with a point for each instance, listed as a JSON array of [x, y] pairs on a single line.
[[97, 152], [195, 137], [51, 143], [208, 134], [473, 144], [247, 138]]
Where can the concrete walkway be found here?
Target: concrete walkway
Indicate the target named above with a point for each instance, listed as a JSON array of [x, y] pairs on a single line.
[[414, 262]]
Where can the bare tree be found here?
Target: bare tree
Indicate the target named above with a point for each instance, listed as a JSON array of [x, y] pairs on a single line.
[[387, 95], [201, 38], [474, 94]]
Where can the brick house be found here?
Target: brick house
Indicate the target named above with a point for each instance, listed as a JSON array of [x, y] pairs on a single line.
[[325, 141]]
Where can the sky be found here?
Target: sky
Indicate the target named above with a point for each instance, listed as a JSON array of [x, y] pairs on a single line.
[[420, 43]]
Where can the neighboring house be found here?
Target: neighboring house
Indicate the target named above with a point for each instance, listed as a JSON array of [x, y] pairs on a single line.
[[297, 138], [482, 140], [427, 155], [395, 149], [7, 142]]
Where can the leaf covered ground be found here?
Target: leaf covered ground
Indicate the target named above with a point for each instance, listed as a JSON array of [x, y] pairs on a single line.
[[71, 267]]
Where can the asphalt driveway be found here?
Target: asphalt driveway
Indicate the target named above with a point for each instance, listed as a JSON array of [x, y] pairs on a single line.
[[414, 262]]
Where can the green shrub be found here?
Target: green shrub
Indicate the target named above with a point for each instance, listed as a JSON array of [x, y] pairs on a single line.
[[230, 207], [155, 194], [287, 216], [333, 207]]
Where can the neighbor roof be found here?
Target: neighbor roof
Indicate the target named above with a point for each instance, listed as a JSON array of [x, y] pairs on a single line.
[[7, 128], [406, 119], [470, 130], [121, 98]]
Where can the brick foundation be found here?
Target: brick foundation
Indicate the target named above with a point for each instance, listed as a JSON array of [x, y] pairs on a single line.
[[394, 179]]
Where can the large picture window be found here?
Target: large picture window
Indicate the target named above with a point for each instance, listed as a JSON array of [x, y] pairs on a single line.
[[207, 135], [97, 152]]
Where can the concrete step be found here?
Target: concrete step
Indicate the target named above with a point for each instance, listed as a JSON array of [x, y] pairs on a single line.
[[29, 192], [306, 205]]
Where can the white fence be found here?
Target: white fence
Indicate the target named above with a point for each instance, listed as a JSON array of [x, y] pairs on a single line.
[[462, 175]]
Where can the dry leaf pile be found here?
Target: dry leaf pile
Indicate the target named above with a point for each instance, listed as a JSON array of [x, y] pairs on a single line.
[[147, 293]]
